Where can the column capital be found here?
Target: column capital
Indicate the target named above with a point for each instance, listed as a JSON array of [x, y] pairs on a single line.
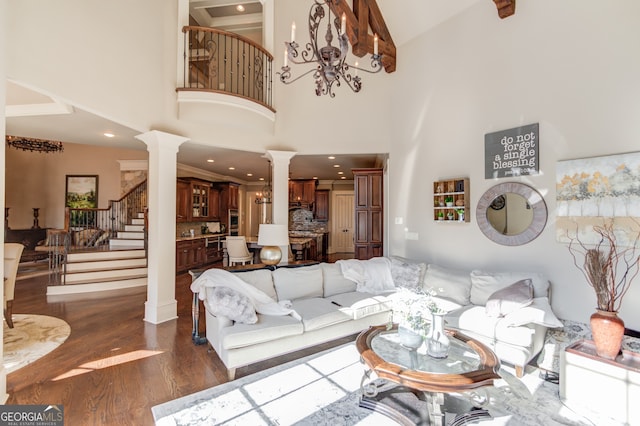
[[158, 139], [279, 156]]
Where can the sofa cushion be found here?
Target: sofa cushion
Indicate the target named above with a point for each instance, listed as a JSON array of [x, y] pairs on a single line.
[[318, 313], [508, 299], [333, 280], [260, 279], [268, 328], [475, 319], [298, 283], [407, 274], [484, 284], [230, 303], [538, 312], [358, 305], [449, 283]]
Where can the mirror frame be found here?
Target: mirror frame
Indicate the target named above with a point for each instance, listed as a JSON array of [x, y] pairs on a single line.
[[535, 200]]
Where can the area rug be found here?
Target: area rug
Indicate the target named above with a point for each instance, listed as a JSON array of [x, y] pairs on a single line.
[[31, 338], [324, 389]]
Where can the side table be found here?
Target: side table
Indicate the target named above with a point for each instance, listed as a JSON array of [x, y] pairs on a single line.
[[608, 387]]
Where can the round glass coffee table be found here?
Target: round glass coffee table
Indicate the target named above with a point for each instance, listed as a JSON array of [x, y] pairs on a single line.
[[469, 365]]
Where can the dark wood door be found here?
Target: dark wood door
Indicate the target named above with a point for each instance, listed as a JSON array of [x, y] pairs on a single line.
[[369, 217]]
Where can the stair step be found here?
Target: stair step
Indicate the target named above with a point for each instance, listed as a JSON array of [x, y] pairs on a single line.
[[104, 275], [134, 228], [135, 221], [125, 242], [102, 265], [96, 255], [140, 216], [130, 235], [96, 286]]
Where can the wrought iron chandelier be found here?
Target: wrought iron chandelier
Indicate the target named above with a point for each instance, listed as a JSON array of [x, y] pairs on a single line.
[[34, 145], [332, 66]]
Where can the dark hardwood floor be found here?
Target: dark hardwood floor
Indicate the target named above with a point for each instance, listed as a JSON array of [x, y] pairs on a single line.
[[114, 366]]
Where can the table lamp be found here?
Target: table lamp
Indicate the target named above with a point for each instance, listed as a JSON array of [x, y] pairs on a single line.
[[271, 237]]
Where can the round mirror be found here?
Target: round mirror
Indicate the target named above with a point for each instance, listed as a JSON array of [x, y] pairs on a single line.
[[511, 214]]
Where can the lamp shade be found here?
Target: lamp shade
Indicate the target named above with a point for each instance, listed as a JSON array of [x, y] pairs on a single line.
[[273, 235]]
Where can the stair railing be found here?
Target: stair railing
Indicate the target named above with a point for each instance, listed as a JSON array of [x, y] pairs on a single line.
[[82, 229]]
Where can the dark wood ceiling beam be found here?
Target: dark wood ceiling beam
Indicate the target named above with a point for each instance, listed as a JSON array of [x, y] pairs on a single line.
[[506, 8], [366, 14]]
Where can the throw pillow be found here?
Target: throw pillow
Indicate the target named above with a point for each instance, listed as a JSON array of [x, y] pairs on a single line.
[[406, 274], [371, 276], [508, 299], [484, 284], [298, 283], [227, 302], [449, 283], [333, 280]]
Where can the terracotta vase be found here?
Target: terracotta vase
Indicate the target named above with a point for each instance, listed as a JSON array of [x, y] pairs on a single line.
[[607, 330]]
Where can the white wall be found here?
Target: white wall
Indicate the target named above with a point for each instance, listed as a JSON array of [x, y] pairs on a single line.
[[569, 66]]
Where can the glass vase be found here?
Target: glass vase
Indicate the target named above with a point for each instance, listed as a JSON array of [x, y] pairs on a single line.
[[437, 340]]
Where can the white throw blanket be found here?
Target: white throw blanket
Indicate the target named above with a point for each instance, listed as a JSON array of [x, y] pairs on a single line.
[[370, 276], [262, 303]]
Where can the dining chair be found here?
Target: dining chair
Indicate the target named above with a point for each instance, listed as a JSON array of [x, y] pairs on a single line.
[[12, 253], [237, 250]]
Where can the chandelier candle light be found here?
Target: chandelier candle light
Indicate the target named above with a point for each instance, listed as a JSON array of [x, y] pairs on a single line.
[[331, 60]]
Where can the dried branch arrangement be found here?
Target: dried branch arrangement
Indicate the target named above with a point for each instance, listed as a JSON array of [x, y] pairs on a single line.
[[608, 268]]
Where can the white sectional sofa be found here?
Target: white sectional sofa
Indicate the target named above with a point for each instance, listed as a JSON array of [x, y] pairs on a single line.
[[317, 304]]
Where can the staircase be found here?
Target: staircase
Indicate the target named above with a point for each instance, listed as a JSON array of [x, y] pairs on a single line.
[[123, 264]]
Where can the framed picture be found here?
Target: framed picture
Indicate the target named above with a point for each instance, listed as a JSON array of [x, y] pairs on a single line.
[[81, 191]]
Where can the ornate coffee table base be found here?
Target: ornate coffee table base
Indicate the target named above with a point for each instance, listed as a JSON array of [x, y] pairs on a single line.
[[410, 407]]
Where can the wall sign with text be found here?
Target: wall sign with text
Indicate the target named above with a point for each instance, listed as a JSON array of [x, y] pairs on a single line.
[[512, 152]]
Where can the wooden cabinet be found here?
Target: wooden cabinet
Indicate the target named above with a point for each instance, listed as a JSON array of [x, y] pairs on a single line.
[[190, 254], [183, 197], [196, 200], [451, 200], [233, 201], [369, 219], [321, 205], [302, 191]]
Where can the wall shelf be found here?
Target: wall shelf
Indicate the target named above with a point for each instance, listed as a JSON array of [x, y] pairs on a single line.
[[456, 191]]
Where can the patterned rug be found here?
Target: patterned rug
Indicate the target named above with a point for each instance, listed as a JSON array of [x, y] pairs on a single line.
[[32, 337], [324, 389]]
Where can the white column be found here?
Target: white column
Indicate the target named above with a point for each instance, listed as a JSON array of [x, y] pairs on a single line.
[[161, 304], [280, 206], [3, 24]]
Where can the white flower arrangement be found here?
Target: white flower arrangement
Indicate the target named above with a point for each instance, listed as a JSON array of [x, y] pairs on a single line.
[[413, 308]]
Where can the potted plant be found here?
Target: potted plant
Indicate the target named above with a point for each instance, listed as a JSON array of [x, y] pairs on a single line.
[[448, 201], [450, 215], [440, 215], [414, 312], [609, 268], [460, 214]]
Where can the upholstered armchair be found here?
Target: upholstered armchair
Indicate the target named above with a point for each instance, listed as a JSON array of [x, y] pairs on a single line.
[[12, 253]]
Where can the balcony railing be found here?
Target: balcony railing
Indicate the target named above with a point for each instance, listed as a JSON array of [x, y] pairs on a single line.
[[223, 62]]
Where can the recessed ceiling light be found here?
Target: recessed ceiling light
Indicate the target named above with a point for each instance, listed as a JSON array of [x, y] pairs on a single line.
[[249, 174], [261, 179], [340, 173], [109, 135], [315, 177], [336, 165], [232, 168], [343, 177], [240, 8], [331, 157], [210, 160]]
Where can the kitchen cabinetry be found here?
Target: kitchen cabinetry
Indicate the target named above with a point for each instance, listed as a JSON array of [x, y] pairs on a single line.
[[369, 220], [190, 254], [451, 200], [229, 199], [196, 200], [302, 191], [183, 196], [321, 205]]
